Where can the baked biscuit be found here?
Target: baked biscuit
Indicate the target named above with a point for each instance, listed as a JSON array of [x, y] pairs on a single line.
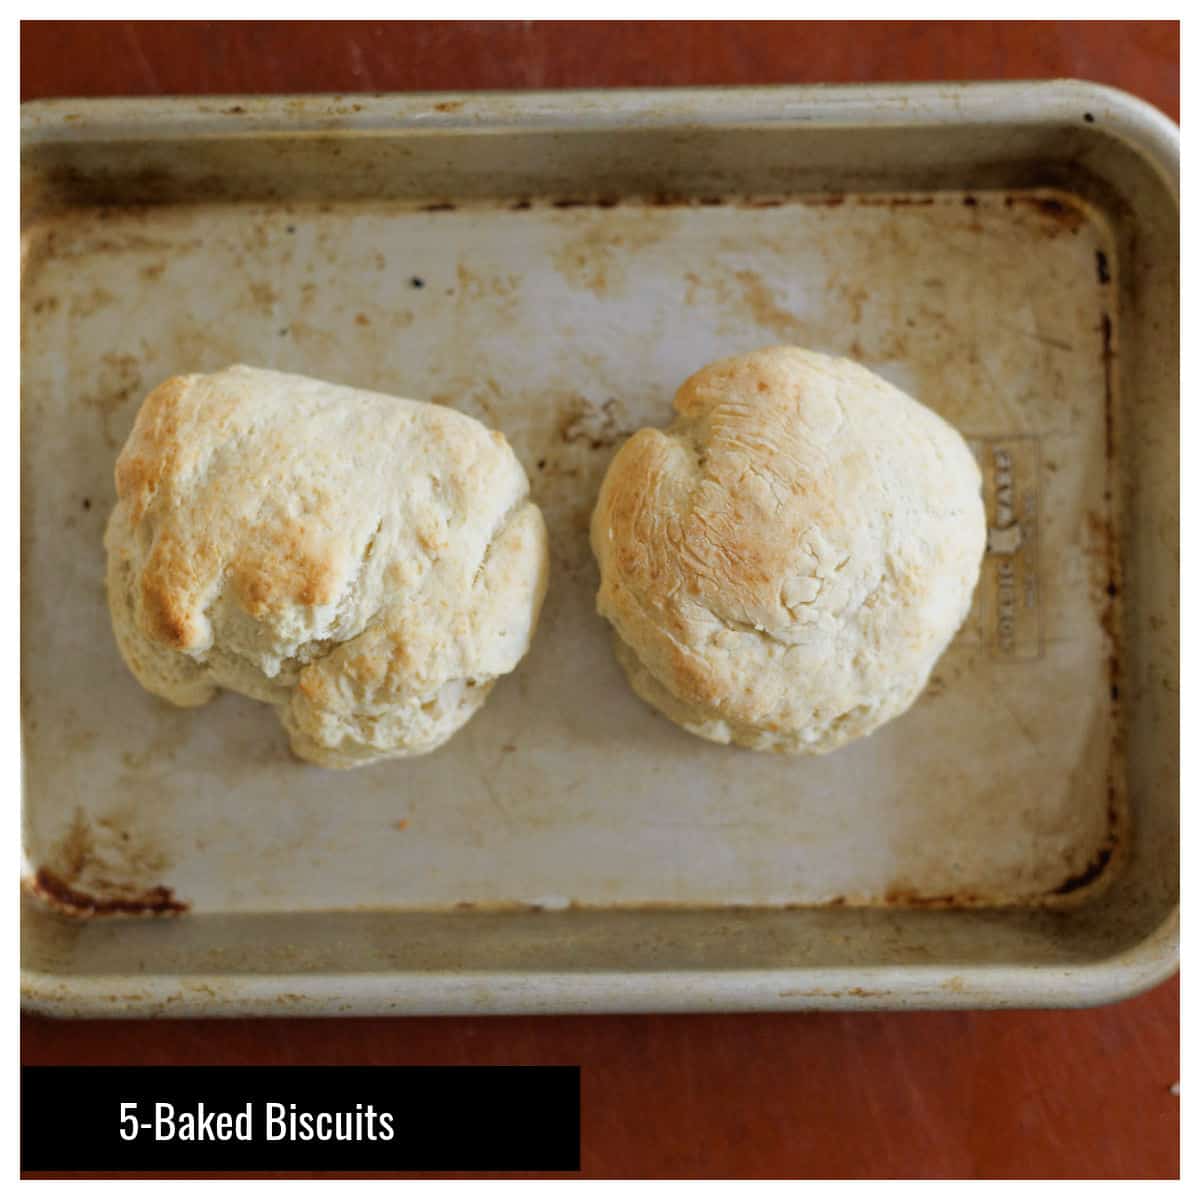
[[368, 565], [785, 563]]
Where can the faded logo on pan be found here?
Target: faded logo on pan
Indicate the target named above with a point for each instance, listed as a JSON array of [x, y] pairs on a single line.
[[1008, 584]]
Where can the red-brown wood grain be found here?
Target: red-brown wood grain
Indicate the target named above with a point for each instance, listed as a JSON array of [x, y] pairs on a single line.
[[65, 58], [1016, 1095]]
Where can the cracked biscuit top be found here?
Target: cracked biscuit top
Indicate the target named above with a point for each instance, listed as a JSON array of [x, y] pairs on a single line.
[[786, 562], [368, 565]]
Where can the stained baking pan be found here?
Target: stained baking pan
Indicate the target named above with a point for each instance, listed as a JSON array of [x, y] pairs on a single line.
[[557, 264]]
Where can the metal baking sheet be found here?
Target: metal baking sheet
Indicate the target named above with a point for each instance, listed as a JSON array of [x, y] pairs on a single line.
[[525, 260]]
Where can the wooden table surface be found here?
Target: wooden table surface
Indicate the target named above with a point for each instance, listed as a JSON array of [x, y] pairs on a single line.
[[1023, 1094]]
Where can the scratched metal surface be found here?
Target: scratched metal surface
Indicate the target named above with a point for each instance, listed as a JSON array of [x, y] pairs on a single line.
[[568, 321]]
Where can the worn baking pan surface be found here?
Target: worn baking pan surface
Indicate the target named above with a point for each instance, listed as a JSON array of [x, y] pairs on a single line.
[[567, 318]]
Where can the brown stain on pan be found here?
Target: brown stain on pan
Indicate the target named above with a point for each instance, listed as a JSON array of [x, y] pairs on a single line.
[[903, 895], [105, 866], [1060, 212], [750, 299], [896, 201], [76, 847], [263, 295], [765, 307], [642, 200], [635, 200], [1107, 357], [118, 387], [72, 902], [598, 427], [1105, 547], [86, 305], [595, 258], [1089, 874], [500, 292]]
